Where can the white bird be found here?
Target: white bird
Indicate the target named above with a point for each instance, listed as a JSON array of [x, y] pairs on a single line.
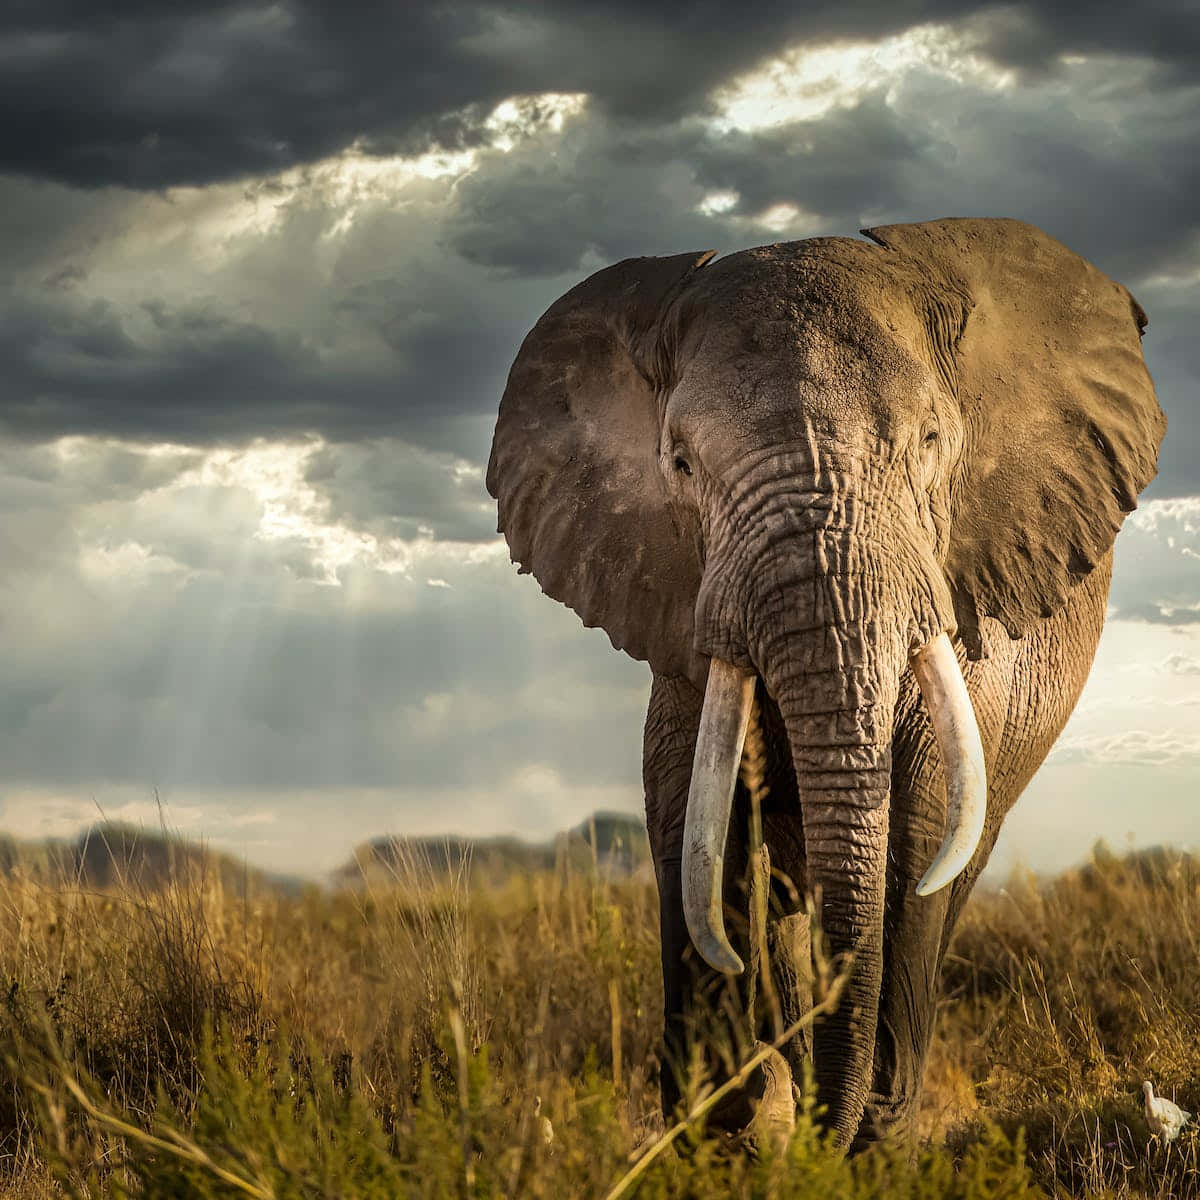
[[1165, 1118], [546, 1130]]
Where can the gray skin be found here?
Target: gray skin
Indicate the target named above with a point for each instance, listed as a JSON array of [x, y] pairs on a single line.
[[809, 459]]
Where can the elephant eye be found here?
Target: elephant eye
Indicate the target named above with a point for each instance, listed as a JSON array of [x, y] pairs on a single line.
[[929, 453], [681, 464]]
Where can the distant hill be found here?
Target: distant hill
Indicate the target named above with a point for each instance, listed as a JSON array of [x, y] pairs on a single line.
[[615, 842], [111, 853]]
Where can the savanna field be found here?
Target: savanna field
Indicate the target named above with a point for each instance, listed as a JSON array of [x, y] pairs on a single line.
[[200, 1031]]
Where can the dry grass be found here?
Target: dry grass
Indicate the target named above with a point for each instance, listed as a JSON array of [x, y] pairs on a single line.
[[203, 1038], [1058, 1001]]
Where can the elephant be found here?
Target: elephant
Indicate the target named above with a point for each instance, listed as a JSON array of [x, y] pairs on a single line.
[[860, 496]]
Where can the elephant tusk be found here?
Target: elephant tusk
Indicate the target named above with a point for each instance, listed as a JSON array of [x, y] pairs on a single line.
[[941, 682], [727, 700]]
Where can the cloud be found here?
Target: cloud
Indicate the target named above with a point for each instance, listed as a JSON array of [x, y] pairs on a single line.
[[319, 306], [393, 489], [1173, 354], [1182, 664], [356, 295], [1157, 571], [229, 624], [265, 270], [191, 94], [601, 191], [1133, 747], [47, 815], [916, 137]]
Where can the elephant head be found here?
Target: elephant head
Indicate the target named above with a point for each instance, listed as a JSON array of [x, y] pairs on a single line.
[[813, 462]]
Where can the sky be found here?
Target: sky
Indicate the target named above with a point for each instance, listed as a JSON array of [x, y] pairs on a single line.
[[263, 270]]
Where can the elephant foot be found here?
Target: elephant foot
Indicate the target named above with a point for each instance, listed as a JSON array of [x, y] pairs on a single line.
[[887, 1118], [761, 1115]]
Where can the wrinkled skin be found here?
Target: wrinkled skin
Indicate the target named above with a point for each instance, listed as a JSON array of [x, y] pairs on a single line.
[[809, 460]]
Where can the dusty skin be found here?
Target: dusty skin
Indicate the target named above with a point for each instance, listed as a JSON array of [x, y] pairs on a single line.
[[781, 476]]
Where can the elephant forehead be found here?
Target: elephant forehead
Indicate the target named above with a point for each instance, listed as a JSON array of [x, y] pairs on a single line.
[[754, 375], [794, 322], [844, 286]]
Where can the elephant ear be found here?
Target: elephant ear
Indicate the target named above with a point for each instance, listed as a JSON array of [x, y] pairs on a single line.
[[575, 463], [1062, 425]]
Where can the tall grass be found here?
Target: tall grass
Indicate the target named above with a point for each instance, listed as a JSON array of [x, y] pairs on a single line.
[[201, 1036]]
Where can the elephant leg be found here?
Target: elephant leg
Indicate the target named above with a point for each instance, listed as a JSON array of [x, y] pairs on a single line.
[[912, 944], [703, 1011], [1022, 692], [705, 1019], [789, 939], [675, 945], [915, 926], [791, 962], [1048, 670], [706, 1022]]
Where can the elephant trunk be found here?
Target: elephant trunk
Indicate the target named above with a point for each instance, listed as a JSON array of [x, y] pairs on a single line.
[[836, 689], [831, 632]]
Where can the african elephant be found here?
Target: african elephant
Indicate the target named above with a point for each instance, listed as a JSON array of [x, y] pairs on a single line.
[[797, 473]]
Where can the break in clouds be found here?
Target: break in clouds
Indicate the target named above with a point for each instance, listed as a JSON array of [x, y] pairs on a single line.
[[264, 269]]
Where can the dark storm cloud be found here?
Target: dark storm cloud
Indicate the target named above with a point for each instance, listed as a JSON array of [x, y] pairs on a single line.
[[607, 192], [148, 96], [74, 365], [151, 95], [1104, 164], [396, 338], [1103, 161], [613, 190], [1034, 35], [1112, 176], [206, 378], [410, 331], [1172, 351]]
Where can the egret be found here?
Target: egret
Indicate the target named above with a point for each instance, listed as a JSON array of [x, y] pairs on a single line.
[[1165, 1118], [545, 1128]]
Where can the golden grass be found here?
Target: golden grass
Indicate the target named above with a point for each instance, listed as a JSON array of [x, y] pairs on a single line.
[[201, 1037]]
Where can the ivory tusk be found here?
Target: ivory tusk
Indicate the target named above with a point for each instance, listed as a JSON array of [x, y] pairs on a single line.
[[945, 692], [727, 700]]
